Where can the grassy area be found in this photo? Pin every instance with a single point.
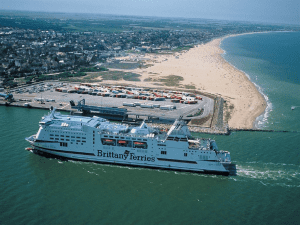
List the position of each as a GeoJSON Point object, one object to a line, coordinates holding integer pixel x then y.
{"type": "Point", "coordinates": [108, 75]}
{"type": "Point", "coordinates": [171, 80]}
{"type": "Point", "coordinates": [149, 79]}
{"type": "Point", "coordinates": [66, 76]}
{"type": "Point", "coordinates": [189, 86]}
{"type": "Point", "coordinates": [92, 69]}
{"type": "Point", "coordinates": [119, 75]}
{"type": "Point", "coordinates": [146, 66]}
{"type": "Point", "coordinates": [157, 84]}
{"type": "Point", "coordinates": [125, 66]}
{"type": "Point", "coordinates": [182, 48]}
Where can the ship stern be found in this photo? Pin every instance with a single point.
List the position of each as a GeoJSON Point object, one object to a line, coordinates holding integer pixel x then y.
{"type": "Point", "coordinates": [225, 159]}
{"type": "Point", "coordinates": [231, 168]}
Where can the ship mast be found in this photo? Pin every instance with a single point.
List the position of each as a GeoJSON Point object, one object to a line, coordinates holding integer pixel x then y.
{"type": "Point", "coordinates": [179, 129]}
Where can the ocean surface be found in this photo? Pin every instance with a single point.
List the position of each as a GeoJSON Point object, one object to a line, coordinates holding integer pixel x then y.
{"type": "Point", "coordinates": [266, 190]}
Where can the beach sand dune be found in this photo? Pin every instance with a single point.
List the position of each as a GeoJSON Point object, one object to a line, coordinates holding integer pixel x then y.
{"type": "Point", "coordinates": [204, 67]}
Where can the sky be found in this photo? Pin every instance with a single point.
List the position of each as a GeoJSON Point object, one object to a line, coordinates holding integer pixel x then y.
{"type": "Point", "coordinates": [269, 11]}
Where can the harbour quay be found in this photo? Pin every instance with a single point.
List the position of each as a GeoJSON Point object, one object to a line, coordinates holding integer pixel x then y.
{"type": "Point", "coordinates": [202, 112]}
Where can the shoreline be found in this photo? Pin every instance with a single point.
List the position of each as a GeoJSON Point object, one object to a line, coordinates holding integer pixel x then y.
{"type": "Point", "coordinates": [263, 104]}
{"type": "Point", "coordinates": [247, 109]}
{"type": "Point", "coordinates": [268, 105]}
{"type": "Point", "coordinates": [205, 68]}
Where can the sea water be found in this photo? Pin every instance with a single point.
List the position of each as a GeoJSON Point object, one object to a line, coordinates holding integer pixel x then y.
{"type": "Point", "coordinates": [272, 62]}
{"type": "Point", "coordinates": [266, 190]}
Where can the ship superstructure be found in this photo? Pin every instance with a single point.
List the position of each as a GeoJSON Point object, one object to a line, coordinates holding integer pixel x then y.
{"type": "Point", "coordinates": [98, 140]}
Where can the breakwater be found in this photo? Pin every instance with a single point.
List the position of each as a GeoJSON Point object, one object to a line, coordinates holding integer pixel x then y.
{"type": "Point", "coordinates": [262, 130]}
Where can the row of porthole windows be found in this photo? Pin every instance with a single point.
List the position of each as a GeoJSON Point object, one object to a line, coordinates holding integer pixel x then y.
{"type": "Point", "coordinates": [67, 136]}
{"type": "Point", "coordinates": [69, 133]}
{"type": "Point", "coordinates": [73, 140]}
{"type": "Point", "coordinates": [62, 137]}
{"type": "Point", "coordinates": [128, 138]}
{"type": "Point", "coordinates": [63, 132]}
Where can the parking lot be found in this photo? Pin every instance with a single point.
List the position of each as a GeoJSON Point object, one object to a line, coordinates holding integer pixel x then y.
{"type": "Point", "coordinates": [46, 94]}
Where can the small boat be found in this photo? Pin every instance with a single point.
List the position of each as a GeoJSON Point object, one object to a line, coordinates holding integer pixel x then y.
{"type": "Point", "coordinates": [29, 149]}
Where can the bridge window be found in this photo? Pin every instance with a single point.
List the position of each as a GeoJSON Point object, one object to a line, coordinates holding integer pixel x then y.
{"type": "Point", "coordinates": [163, 152]}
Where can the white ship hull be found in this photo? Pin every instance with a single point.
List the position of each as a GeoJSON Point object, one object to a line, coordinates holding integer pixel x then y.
{"type": "Point", "coordinates": [61, 136]}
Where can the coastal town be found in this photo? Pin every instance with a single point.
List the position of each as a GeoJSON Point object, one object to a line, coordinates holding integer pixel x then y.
{"type": "Point", "coordinates": [31, 53]}
{"type": "Point", "coordinates": [28, 53]}
{"type": "Point", "coordinates": [140, 60]}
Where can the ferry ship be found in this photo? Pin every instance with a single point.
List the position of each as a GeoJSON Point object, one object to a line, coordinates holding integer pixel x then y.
{"type": "Point", "coordinates": [97, 140]}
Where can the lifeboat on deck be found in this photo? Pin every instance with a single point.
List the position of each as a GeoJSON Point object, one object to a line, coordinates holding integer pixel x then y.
{"type": "Point", "coordinates": [109, 142]}
{"type": "Point", "coordinates": [140, 144]}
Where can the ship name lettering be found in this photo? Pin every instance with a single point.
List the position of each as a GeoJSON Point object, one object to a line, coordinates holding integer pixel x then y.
{"type": "Point", "coordinates": [125, 156]}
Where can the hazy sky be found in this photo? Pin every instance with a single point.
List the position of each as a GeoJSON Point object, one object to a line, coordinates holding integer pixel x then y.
{"type": "Point", "coordinates": [274, 11]}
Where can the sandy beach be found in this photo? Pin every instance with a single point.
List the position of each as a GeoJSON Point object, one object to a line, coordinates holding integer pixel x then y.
{"type": "Point", "coordinates": [204, 67]}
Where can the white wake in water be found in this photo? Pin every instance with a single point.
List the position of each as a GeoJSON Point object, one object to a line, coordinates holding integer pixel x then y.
{"type": "Point", "coordinates": [270, 174]}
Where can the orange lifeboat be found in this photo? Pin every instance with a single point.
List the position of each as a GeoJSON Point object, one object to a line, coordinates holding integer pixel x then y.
{"type": "Point", "coordinates": [140, 144]}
